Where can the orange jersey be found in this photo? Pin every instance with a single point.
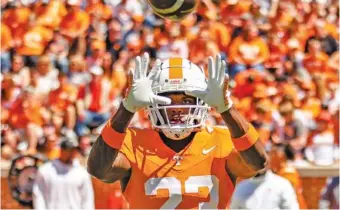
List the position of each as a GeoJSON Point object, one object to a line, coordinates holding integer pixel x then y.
{"type": "Point", "coordinates": [316, 64]}
{"type": "Point", "coordinates": [34, 41]}
{"type": "Point", "coordinates": [61, 98]}
{"type": "Point", "coordinates": [248, 52]}
{"type": "Point", "coordinates": [193, 178]}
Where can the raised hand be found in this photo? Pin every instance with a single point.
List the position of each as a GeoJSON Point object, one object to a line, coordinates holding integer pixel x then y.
{"type": "Point", "coordinates": [140, 94]}
{"type": "Point", "coordinates": [216, 94]}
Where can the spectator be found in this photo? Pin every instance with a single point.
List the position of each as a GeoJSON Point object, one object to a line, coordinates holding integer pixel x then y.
{"type": "Point", "coordinates": [114, 38]}
{"type": "Point", "coordinates": [264, 191]}
{"type": "Point", "coordinates": [61, 102]}
{"type": "Point", "coordinates": [262, 120]}
{"type": "Point", "coordinates": [27, 117]}
{"type": "Point", "coordinates": [328, 43]}
{"type": "Point", "coordinates": [33, 42]}
{"type": "Point", "coordinates": [315, 61]}
{"type": "Point", "coordinates": [63, 183]}
{"type": "Point", "coordinates": [97, 52]}
{"type": "Point", "coordinates": [321, 148]}
{"type": "Point", "coordinates": [16, 17]}
{"type": "Point", "coordinates": [293, 129]}
{"type": "Point", "coordinates": [310, 105]}
{"type": "Point", "coordinates": [50, 13]}
{"type": "Point", "coordinates": [78, 74]}
{"type": "Point", "coordinates": [50, 145]}
{"type": "Point", "coordinates": [99, 7]}
{"type": "Point", "coordinates": [19, 72]}
{"type": "Point", "coordinates": [76, 22]}
{"type": "Point", "coordinates": [96, 102]}
{"type": "Point", "coordinates": [219, 33]}
{"type": "Point", "coordinates": [201, 46]}
{"type": "Point", "coordinates": [277, 53]}
{"type": "Point", "coordinates": [47, 75]}
{"type": "Point", "coordinates": [247, 51]}
{"type": "Point", "coordinates": [58, 50]}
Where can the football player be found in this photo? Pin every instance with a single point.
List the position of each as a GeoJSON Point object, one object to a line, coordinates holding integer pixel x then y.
{"type": "Point", "coordinates": [180, 163]}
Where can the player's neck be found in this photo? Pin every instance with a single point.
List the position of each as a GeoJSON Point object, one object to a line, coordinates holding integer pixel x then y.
{"type": "Point", "coordinates": [177, 145]}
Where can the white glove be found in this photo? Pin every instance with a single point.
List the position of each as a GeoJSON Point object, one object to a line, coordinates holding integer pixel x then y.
{"type": "Point", "coordinates": [140, 94]}
{"type": "Point", "coordinates": [216, 95]}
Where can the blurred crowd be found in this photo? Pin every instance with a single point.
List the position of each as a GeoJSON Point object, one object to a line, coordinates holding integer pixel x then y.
{"type": "Point", "coordinates": [64, 67]}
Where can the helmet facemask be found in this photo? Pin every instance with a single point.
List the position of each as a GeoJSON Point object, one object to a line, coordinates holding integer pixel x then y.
{"type": "Point", "coordinates": [193, 120]}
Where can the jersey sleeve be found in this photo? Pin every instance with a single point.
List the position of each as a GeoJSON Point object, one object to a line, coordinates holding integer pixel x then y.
{"type": "Point", "coordinates": [127, 148]}
{"type": "Point", "coordinates": [234, 160]}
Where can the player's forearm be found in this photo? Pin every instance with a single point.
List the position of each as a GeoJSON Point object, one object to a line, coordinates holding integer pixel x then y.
{"type": "Point", "coordinates": [101, 160]}
{"type": "Point", "coordinates": [121, 120]}
{"type": "Point", "coordinates": [104, 161]}
{"type": "Point", "coordinates": [255, 155]}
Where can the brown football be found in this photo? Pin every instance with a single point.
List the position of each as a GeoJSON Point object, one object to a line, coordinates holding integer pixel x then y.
{"type": "Point", "coordinates": [173, 9]}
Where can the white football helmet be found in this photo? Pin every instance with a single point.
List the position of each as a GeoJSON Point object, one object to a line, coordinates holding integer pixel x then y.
{"type": "Point", "coordinates": [176, 75]}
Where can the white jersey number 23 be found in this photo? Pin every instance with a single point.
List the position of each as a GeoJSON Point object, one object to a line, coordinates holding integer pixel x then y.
{"type": "Point", "coordinates": [191, 185]}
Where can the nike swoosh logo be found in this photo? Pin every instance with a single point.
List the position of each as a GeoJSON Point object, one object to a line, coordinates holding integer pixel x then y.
{"type": "Point", "coordinates": [206, 151]}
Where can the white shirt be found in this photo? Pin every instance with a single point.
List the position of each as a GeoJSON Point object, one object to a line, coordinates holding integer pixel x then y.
{"type": "Point", "coordinates": [268, 192]}
{"type": "Point", "coordinates": [48, 82]}
{"type": "Point", "coordinates": [323, 151]}
{"type": "Point", "coordinates": [61, 186]}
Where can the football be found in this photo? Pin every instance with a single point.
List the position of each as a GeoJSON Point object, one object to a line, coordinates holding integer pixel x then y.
{"type": "Point", "coordinates": [173, 9]}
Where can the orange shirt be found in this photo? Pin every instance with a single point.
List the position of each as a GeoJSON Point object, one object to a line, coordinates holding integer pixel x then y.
{"type": "Point", "coordinates": [99, 8]}
{"type": "Point", "coordinates": [244, 52]}
{"type": "Point", "coordinates": [332, 30]}
{"type": "Point", "coordinates": [197, 178]}
{"type": "Point", "coordinates": [96, 95]}
{"type": "Point", "coordinates": [50, 15]}
{"type": "Point", "coordinates": [24, 112]}
{"type": "Point", "coordinates": [75, 22]}
{"type": "Point", "coordinates": [35, 40]}
{"type": "Point", "coordinates": [61, 98]}
{"type": "Point", "coordinates": [316, 64]}
{"type": "Point", "coordinates": [52, 154]}
{"type": "Point", "coordinates": [16, 19]}
{"type": "Point", "coordinates": [284, 18]}
{"type": "Point", "coordinates": [237, 10]}
{"type": "Point", "coordinates": [312, 106]}
{"type": "Point", "coordinates": [197, 47]}
{"type": "Point", "coordinates": [276, 55]}
{"type": "Point", "coordinates": [6, 37]}
{"type": "Point", "coordinates": [221, 35]}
